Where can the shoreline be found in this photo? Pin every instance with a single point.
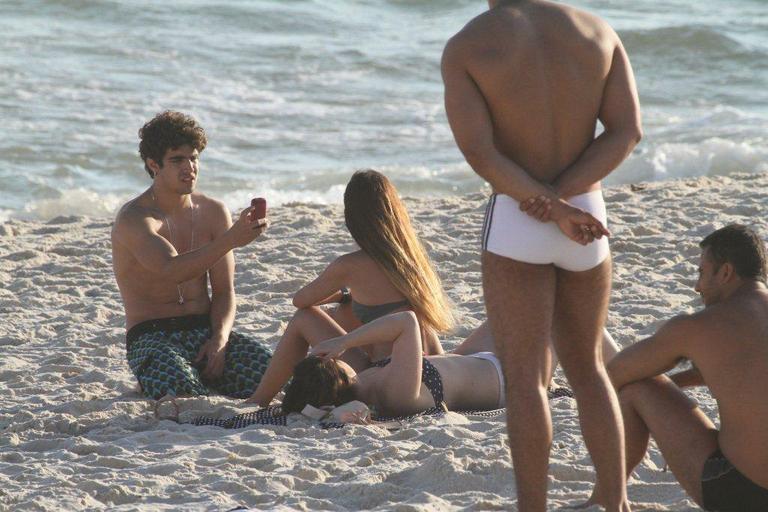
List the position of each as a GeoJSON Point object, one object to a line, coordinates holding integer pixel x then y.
{"type": "Point", "coordinates": [76, 435]}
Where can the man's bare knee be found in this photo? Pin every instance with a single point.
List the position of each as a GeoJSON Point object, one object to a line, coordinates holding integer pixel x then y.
{"type": "Point", "coordinates": [581, 369]}
{"type": "Point", "coordinates": [634, 393]}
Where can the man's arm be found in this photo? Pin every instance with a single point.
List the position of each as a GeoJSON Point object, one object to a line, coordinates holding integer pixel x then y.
{"type": "Point", "coordinates": [135, 231]}
{"type": "Point", "coordinates": [655, 355]}
{"type": "Point", "coordinates": [223, 305]}
{"type": "Point", "coordinates": [620, 115]}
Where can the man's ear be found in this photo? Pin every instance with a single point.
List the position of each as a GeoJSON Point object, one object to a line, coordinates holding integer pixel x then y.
{"type": "Point", "coordinates": [153, 167]}
{"type": "Point", "coordinates": [726, 272]}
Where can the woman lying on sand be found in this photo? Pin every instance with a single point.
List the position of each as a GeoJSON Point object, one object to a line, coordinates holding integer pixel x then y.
{"type": "Point", "coordinates": [403, 384]}
{"type": "Point", "coordinates": [391, 272]}
{"type": "Point", "coordinates": [469, 378]}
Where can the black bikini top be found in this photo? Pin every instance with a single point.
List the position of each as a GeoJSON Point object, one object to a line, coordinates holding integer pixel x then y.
{"type": "Point", "coordinates": [429, 376]}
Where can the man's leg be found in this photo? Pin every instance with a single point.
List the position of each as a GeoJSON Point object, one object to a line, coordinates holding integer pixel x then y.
{"type": "Point", "coordinates": [160, 366]}
{"type": "Point", "coordinates": [684, 434]}
{"type": "Point", "coordinates": [519, 298]}
{"type": "Point", "coordinates": [581, 307]}
{"type": "Point", "coordinates": [246, 362]}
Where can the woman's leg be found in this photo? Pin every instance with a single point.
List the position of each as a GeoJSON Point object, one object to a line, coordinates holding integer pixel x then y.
{"type": "Point", "coordinates": [343, 315]}
{"type": "Point", "coordinates": [481, 340]}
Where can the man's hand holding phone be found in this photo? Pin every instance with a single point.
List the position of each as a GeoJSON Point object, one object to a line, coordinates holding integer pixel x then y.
{"type": "Point", "coordinates": [258, 209]}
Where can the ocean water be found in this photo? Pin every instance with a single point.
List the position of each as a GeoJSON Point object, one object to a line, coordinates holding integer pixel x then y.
{"type": "Point", "coordinates": [296, 95]}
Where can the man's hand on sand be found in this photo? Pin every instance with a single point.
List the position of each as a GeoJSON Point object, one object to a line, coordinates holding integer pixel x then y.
{"type": "Point", "coordinates": [246, 230]}
{"type": "Point", "coordinates": [575, 223]}
{"type": "Point", "coordinates": [212, 355]}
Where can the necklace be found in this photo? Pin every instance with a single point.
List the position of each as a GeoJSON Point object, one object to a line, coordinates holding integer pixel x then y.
{"type": "Point", "coordinates": [167, 220]}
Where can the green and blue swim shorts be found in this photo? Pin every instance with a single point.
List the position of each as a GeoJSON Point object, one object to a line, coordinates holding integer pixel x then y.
{"type": "Point", "coordinates": [161, 355]}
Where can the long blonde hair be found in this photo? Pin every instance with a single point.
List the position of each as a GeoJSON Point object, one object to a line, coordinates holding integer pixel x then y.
{"type": "Point", "coordinates": [378, 221]}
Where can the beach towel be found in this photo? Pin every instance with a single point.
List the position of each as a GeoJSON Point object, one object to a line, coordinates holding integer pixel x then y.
{"type": "Point", "coordinates": [273, 416]}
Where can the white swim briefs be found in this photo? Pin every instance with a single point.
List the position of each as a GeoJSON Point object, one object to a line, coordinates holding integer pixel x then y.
{"type": "Point", "coordinates": [512, 233]}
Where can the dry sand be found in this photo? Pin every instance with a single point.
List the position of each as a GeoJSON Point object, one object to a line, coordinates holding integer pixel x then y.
{"type": "Point", "coordinates": [76, 435]}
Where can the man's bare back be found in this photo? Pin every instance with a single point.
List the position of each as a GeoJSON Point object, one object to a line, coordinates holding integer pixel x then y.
{"type": "Point", "coordinates": [729, 347]}
{"type": "Point", "coordinates": [546, 72]}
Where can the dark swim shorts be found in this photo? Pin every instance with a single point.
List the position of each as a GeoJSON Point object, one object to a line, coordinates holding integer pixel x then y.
{"type": "Point", "coordinates": [161, 354]}
{"type": "Point", "coordinates": [725, 489]}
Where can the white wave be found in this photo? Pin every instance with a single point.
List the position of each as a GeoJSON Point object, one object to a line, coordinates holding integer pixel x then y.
{"type": "Point", "coordinates": [5, 215]}
{"type": "Point", "coordinates": [710, 157]}
{"type": "Point", "coordinates": [72, 202]}
{"type": "Point", "coordinates": [240, 199]}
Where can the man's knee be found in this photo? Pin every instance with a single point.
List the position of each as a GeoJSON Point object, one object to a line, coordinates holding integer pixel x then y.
{"type": "Point", "coordinates": [635, 391]}
{"type": "Point", "coordinates": [581, 368]}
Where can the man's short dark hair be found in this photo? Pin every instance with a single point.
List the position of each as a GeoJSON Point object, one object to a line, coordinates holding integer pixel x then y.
{"type": "Point", "coordinates": [741, 247]}
{"type": "Point", "coordinates": [169, 130]}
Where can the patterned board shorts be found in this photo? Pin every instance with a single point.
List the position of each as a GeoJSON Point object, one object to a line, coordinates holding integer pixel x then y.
{"type": "Point", "coordinates": [161, 355]}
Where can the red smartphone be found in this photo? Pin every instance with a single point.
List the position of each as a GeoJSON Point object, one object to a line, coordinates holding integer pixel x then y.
{"type": "Point", "coordinates": [259, 205]}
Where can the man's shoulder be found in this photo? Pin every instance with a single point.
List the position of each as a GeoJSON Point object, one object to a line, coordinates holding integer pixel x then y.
{"type": "Point", "coordinates": [132, 212]}
{"type": "Point", "coordinates": [473, 33]}
{"type": "Point", "coordinates": [209, 204]}
{"type": "Point", "coordinates": [724, 320]}
{"type": "Point", "coordinates": [498, 30]}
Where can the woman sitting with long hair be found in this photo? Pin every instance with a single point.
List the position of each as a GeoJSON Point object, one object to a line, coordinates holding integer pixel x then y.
{"type": "Point", "coordinates": [405, 383]}
{"type": "Point", "coordinates": [391, 272]}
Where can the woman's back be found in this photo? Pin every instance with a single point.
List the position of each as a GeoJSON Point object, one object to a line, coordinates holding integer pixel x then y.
{"type": "Point", "coordinates": [367, 282]}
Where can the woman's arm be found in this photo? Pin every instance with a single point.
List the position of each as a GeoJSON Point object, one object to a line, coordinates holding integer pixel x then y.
{"type": "Point", "coordinates": [325, 288]}
{"type": "Point", "coordinates": [402, 376]}
{"type": "Point", "coordinates": [430, 342]}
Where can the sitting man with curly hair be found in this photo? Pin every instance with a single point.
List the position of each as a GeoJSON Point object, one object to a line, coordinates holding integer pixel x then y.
{"type": "Point", "coordinates": [167, 245]}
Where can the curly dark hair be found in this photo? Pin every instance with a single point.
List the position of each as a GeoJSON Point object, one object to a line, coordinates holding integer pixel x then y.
{"type": "Point", "coordinates": [741, 247]}
{"type": "Point", "coordinates": [317, 382]}
{"type": "Point", "coordinates": [169, 130]}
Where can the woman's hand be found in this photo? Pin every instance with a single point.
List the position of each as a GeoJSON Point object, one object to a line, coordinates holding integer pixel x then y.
{"type": "Point", "coordinates": [330, 349]}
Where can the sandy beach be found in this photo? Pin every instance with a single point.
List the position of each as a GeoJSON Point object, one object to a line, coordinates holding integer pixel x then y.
{"type": "Point", "coordinates": [76, 435]}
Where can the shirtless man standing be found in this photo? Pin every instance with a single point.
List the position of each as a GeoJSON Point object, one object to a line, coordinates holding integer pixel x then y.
{"type": "Point", "coordinates": [525, 83]}
{"type": "Point", "coordinates": [167, 243]}
{"type": "Point", "coordinates": [727, 342]}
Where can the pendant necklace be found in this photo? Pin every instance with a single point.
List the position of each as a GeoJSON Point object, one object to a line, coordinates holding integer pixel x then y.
{"type": "Point", "coordinates": [180, 286]}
